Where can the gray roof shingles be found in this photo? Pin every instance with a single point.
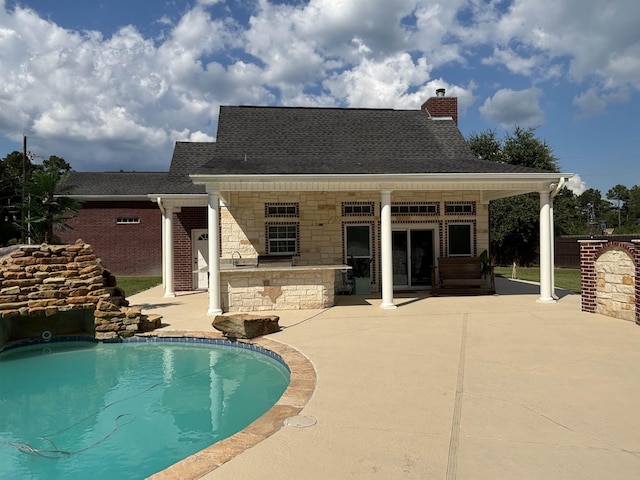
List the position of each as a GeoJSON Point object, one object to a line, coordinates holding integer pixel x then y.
{"type": "Point", "coordinates": [299, 140]}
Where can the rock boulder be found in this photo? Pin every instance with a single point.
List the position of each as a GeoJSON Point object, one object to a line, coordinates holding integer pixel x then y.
{"type": "Point", "coordinates": [244, 325]}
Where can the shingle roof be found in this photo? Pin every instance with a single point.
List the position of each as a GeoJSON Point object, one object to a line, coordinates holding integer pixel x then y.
{"type": "Point", "coordinates": [298, 141]}
{"type": "Point", "coordinates": [286, 140]}
{"type": "Point", "coordinates": [114, 183]}
{"type": "Point", "coordinates": [187, 156]}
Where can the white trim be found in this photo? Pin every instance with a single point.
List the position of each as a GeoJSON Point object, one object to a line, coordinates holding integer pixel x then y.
{"type": "Point", "coordinates": [492, 186]}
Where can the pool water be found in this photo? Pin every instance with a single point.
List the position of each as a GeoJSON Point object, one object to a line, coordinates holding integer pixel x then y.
{"type": "Point", "coordinates": [125, 410]}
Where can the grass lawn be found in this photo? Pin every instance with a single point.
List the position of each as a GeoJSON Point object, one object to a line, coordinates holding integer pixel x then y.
{"type": "Point", "coordinates": [133, 285]}
{"type": "Point", "coordinates": [566, 278]}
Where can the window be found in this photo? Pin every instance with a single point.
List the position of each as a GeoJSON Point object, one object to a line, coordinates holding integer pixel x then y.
{"type": "Point", "coordinates": [459, 239]}
{"type": "Point", "coordinates": [127, 220]}
{"type": "Point", "coordinates": [281, 210]}
{"type": "Point", "coordinates": [452, 208]}
{"type": "Point", "coordinates": [282, 238]}
{"type": "Point", "coordinates": [356, 209]}
{"type": "Point", "coordinates": [414, 209]}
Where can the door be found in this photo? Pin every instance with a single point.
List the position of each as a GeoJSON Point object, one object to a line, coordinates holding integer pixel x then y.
{"type": "Point", "coordinates": [413, 256]}
{"type": "Point", "coordinates": [358, 253]}
{"type": "Point", "coordinates": [200, 242]}
{"type": "Point", "coordinates": [422, 257]}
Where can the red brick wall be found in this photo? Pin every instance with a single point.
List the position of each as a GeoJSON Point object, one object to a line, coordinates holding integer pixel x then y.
{"type": "Point", "coordinates": [442, 107]}
{"type": "Point", "coordinates": [187, 219]}
{"type": "Point", "coordinates": [588, 252]}
{"type": "Point", "coordinates": [131, 249]}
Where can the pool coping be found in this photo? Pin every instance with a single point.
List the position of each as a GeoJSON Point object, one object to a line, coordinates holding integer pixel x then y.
{"type": "Point", "coordinates": [296, 396]}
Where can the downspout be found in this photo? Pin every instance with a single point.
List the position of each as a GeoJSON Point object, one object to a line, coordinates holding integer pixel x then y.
{"type": "Point", "coordinates": [164, 234]}
{"type": "Point", "coordinates": [552, 194]}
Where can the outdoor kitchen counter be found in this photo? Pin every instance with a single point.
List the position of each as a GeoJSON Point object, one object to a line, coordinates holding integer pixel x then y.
{"type": "Point", "coordinates": [278, 268]}
{"type": "Point", "coordinates": [278, 287]}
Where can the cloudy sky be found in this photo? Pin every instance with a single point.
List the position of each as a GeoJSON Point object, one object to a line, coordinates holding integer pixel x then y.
{"type": "Point", "coordinates": [111, 85]}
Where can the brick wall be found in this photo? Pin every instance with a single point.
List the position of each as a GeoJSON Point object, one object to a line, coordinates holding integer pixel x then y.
{"type": "Point", "coordinates": [125, 249]}
{"type": "Point", "coordinates": [610, 273]}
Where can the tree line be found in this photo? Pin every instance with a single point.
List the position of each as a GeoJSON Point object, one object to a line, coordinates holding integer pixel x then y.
{"type": "Point", "coordinates": [514, 221]}
{"type": "Point", "coordinates": [33, 205]}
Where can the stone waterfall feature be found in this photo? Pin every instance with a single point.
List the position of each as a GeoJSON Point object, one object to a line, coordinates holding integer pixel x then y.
{"type": "Point", "coordinates": [48, 291]}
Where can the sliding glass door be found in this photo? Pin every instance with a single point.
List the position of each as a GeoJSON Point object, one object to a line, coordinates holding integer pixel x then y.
{"type": "Point", "coordinates": [412, 257]}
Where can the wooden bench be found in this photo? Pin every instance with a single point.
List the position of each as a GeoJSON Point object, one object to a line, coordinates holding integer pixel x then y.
{"type": "Point", "coordinates": [462, 276]}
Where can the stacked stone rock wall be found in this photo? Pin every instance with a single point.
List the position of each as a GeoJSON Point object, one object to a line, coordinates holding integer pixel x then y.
{"type": "Point", "coordinates": [615, 297]}
{"type": "Point", "coordinates": [610, 274]}
{"type": "Point", "coordinates": [45, 280]}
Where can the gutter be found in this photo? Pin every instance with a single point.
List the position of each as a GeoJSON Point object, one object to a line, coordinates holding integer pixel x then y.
{"type": "Point", "coordinates": [555, 190]}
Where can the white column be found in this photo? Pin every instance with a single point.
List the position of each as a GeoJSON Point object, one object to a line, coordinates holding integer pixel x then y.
{"type": "Point", "coordinates": [214, 253]}
{"type": "Point", "coordinates": [545, 248]}
{"type": "Point", "coordinates": [385, 251]}
{"type": "Point", "coordinates": [552, 254]}
{"type": "Point", "coordinates": [168, 252]}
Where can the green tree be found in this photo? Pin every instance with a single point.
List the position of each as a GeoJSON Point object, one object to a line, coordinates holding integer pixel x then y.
{"type": "Point", "coordinates": [46, 208]}
{"type": "Point", "coordinates": [619, 194]}
{"type": "Point", "coordinates": [486, 146]}
{"type": "Point", "coordinates": [593, 210]}
{"type": "Point", "coordinates": [514, 221]}
{"type": "Point", "coordinates": [523, 148]}
{"type": "Point", "coordinates": [12, 169]}
{"type": "Point", "coordinates": [633, 211]}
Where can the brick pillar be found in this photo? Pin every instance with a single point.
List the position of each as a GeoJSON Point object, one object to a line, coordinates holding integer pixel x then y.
{"type": "Point", "coordinates": [588, 251]}
{"type": "Point", "coordinates": [636, 258]}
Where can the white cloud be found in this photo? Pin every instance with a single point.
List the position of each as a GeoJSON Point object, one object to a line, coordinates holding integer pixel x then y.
{"type": "Point", "coordinates": [511, 108]}
{"type": "Point", "coordinates": [592, 102]}
{"type": "Point", "coordinates": [576, 185]}
{"type": "Point", "coordinates": [133, 94]}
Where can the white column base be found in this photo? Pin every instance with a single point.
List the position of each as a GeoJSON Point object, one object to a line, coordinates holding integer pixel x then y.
{"type": "Point", "coordinates": [388, 306]}
{"type": "Point", "coordinates": [546, 300]}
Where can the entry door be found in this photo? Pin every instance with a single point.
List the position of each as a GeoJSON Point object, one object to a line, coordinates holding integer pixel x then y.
{"type": "Point", "coordinates": [200, 242]}
{"type": "Point", "coordinates": [412, 257]}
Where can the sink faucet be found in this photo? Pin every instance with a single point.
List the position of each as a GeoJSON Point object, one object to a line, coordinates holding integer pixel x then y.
{"type": "Point", "coordinates": [233, 259]}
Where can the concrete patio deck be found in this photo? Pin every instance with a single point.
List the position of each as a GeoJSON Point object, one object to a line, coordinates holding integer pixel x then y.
{"type": "Point", "coordinates": [486, 387]}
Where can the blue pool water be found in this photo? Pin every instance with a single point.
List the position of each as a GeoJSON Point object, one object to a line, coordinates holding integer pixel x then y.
{"type": "Point", "coordinates": [125, 410]}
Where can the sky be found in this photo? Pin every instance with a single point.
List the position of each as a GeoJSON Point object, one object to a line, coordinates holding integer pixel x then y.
{"type": "Point", "coordinates": [112, 85]}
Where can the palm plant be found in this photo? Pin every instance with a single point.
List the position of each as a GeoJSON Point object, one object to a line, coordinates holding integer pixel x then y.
{"type": "Point", "coordinates": [46, 208]}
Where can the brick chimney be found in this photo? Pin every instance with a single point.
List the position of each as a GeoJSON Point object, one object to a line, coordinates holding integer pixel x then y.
{"type": "Point", "coordinates": [441, 106]}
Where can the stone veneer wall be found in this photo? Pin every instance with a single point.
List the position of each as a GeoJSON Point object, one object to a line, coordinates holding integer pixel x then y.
{"type": "Point", "coordinates": [58, 289]}
{"type": "Point", "coordinates": [610, 274]}
{"type": "Point", "coordinates": [277, 290]}
{"type": "Point", "coordinates": [322, 223]}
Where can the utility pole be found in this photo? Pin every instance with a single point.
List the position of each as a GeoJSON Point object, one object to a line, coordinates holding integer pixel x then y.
{"type": "Point", "coordinates": [24, 181]}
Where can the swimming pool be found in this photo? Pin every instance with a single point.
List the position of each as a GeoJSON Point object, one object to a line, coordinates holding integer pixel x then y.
{"type": "Point", "coordinates": [127, 410]}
